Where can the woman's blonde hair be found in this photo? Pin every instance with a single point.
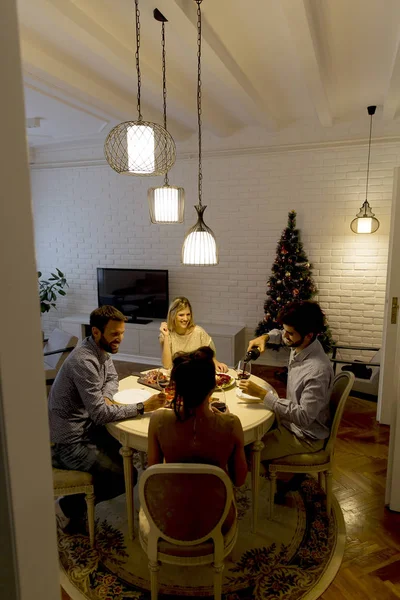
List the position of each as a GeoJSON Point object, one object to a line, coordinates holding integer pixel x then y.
{"type": "Point", "coordinates": [176, 306]}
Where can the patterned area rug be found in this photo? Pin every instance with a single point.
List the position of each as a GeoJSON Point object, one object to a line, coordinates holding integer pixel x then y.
{"type": "Point", "coordinates": [293, 557]}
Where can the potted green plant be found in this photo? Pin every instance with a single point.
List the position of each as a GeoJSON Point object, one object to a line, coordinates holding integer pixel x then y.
{"type": "Point", "coordinates": [49, 288]}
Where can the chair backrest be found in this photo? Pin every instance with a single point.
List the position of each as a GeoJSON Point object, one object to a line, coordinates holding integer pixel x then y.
{"type": "Point", "coordinates": [58, 339]}
{"type": "Point", "coordinates": [185, 504]}
{"type": "Point", "coordinates": [342, 385]}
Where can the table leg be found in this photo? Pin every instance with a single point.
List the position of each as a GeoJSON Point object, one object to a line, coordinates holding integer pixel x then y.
{"type": "Point", "coordinates": [256, 448]}
{"type": "Point", "coordinates": [127, 454]}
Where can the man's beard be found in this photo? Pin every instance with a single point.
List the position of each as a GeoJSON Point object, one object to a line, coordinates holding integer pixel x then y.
{"type": "Point", "coordinates": [295, 344]}
{"type": "Point", "coordinates": [106, 346]}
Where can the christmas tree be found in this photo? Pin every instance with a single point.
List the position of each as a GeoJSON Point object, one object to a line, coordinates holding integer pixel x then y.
{"type": "Point", "coordinates": [290, 280]}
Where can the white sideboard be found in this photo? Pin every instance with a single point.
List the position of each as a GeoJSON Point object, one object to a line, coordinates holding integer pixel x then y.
{"type": "Point", "coordinates": [140, 343]}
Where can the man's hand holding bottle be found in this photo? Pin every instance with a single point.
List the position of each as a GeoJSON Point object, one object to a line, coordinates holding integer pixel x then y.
{"type": "Point", "coordinates": [259, 343]}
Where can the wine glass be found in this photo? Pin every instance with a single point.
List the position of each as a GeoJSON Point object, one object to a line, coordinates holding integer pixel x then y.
{"type": "Point", "coordinates": [243, 369]}
{"type": "Point", "coordinates": [163, 378]}
{"type": "Point", "coordinates": [220, 402]}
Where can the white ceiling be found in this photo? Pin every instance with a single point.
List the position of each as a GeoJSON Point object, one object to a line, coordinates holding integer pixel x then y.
{"type": "Point", "coordinates": [290, 70]}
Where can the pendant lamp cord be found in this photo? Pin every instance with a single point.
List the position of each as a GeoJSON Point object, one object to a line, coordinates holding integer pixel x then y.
{"type": "Point", "coordinates": [164, 75]}
{"type": "Point", "coordinates": [369, 154]}
{"type": "Point", "coordinates": [139, 81]}
{"type": "Point", "coordinates": [200, 183]}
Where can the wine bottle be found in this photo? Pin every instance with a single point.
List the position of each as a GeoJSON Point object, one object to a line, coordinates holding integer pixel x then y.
{"type": "Point", "coordinates": [252, 354]}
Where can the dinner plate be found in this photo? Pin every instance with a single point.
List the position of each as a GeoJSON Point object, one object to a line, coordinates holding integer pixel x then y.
{"type": "Point", "coordinates": [227, 384]}
{"type": "Point", "coordinates": [243, 396]}
{"type": "Point", "coordinates": [132, 396]}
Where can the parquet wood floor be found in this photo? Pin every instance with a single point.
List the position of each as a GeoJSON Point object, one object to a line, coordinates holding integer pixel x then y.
{"type": "Point", "coordinates": [371, 566]}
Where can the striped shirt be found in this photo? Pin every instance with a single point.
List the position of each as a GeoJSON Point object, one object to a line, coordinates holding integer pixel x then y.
{"type": "Point", "coordinates": [305, 411]}
{"type": "Point", "coordinates": [76, 399]}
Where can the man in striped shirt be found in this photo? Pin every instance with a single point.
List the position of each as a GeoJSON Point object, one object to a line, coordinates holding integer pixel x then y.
{"type": "Point", "coordinates": [80, 405]}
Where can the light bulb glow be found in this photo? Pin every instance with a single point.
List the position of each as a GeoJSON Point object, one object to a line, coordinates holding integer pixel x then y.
{"type": "Point", "coordinates": [364, 225]}
{"type": "Point", "coordinates": [200, 249]}
{"type": "Point", "coordinates": [140, 147]}
{"type": "Point", "coordinates": [166, 204]}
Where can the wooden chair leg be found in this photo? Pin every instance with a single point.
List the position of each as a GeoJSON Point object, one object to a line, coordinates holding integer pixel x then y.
{"type": "Point", "coordinates": [328, 479]}
{"type": "Point", "coordinates": [90, 514]}
{"type": "Point", "coordinates": [321, 480]}
{"type": "Point", "coordinates": [218, 569]}
{"type": "Point", "coordinates": [272, 491]}
{"type": "Point", "coordinates": [154, 567]}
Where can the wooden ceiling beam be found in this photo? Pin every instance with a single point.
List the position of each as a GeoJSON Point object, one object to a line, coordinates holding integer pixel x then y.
{"type": "Point", "coordinates": [391, 102]}
{"type": "Point", "coordinates": [300, 20]}
{"type": "Point", "coordinates": [66, 76]}
{"type": "Point", "coordinates": [80, 20]}
{"type": "Point", "coordinates": [179, 13]}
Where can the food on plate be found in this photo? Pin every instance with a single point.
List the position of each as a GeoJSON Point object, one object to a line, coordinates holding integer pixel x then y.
{"type": "Point", "coordinates": [222, 380]}
{"type": "Point", "coordinates": [149, 378]}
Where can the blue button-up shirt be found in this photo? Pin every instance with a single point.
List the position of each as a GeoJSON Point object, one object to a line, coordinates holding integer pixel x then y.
{"type": "Point", "coordinates": [305, 411]}
{"type": "Point", "coordinates": [76, 400]}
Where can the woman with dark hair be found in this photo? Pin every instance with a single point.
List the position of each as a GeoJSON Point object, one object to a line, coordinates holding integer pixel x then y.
{"type": "Point", "coordinates": [179, 333]}
{"type": "Point", "coordinates": [193, 432]}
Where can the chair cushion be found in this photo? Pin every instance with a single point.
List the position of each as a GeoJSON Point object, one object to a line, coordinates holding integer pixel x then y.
{"type": "Point", "coordinates": [308, 460]}
{"type": "Point", "coordinates": [203, 549]}
{"type": "Point", "coordinates": [63, 478]}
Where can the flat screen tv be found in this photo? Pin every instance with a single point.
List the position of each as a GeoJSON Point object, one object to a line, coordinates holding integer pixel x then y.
{"type": "Point", "coordinates": [140, 294]}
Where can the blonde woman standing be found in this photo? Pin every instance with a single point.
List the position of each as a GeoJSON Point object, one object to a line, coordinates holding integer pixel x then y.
{"type": "Point", "coordinates": [180, 334]}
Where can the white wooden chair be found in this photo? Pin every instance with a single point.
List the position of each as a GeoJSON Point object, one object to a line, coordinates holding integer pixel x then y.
{"type": "Point", "coordinates": [56, 350]}
{"type": "Point", "coordinates": [66, 483]}
{"type": "Point", "coordinates": [316, 462]}
{"type": "Point", "coordinates": [187, 518]}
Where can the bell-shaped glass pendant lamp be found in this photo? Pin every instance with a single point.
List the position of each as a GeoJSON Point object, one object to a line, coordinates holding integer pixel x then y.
{"type": "Point", "coordinates": [139, 147]}
{"type": "Point", "coordinates": [166, 203]}
{"type": "Point", "coordinates": [365, 221]}
{"type": "Point", "coordinates": [200, 248]}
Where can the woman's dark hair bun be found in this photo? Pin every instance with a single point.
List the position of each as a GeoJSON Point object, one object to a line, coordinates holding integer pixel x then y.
{"type": "Point", "coordinates": [194, 376]}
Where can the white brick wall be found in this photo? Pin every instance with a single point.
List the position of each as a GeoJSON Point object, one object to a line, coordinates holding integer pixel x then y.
{"type": "Point", "coordinates": [87, 217]}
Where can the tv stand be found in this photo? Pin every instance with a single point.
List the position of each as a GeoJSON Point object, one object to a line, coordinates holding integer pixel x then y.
{"type": "Point", "coordinates": [141, 340]}
{"type": "Point", "coordinates": [139, 320]}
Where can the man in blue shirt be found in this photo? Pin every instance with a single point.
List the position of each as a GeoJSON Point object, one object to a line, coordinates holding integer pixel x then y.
{"type": "Point", "coordinates": [80, 404]}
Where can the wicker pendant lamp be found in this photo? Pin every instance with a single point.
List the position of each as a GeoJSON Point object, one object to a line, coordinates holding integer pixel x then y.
{"type": "Point", "coordinates": [139, 147]}
{"type": "Point", "coordinates": [365, 221]}
{"type": "Point", "coordinates": [199, 247]}
{"type": "Point", "coordinates": [166, 203]}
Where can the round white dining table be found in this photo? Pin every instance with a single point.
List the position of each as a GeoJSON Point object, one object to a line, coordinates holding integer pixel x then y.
{"type": "Point", "coordinates": [132, 434]}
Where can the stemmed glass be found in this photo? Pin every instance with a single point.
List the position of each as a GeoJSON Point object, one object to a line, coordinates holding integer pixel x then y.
{"type": "Point", "coordinates": [163, 378]}
{"type": "Point", "coordinates": [243, 370]}
{"type": "Point", "coordinates": [220, 402]}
